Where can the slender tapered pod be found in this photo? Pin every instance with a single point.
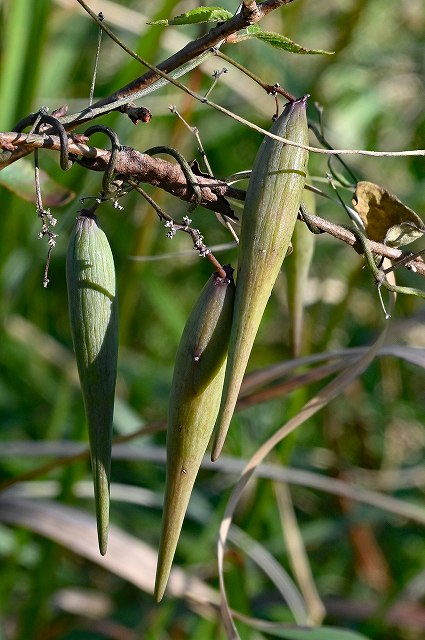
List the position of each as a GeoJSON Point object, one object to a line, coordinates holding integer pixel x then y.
{"type": "Point", "coordinates": [93, 314]}
{"type": "Point", "coordinates": [297, 269]}
{"type": "Point", "coordinates": [272, 201]}
{"type": "Point", "coordinates": [194, 401]}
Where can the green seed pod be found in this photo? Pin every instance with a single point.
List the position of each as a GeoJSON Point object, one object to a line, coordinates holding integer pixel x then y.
{"type": "Point", "coordinates": [297, 268]}
{"type": "Point", "coordinates": [272, 201]}
{"type": "Point", "coordinates": [94, 325]}
{"type": "Point", "coordinates": [194, 401]}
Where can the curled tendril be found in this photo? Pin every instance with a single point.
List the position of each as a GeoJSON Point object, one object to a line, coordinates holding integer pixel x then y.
{"type": "Point", "coordinates": [185, 167]}
{"type": "Point", "coordinates": [41, 117]}
{"type": "Point", "coordinates": [107, 183]}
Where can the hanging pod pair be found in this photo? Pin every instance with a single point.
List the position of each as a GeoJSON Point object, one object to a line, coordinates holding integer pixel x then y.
{"type": "Point", "coordinates": [197, 395]}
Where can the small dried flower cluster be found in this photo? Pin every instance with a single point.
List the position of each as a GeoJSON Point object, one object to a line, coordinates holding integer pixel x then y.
{"type": "Point", "coordinates": [173, 228]}
{"type": "Point", "coordinates": [199, 245]}
{"type": "Point", "coordinates": [48, 221]}
{"type": "Point", "coordinates": [197, 237]}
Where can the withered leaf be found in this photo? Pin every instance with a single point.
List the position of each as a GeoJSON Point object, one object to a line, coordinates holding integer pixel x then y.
{"type": "Point", "coordinates": [385, 217]}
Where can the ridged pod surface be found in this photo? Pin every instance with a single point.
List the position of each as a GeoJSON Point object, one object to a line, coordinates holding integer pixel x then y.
{"type": "Point", "coordinates": [194, 401]}
{"type": "Point", "coordinates": [271, 206]}
{"type": "Point", "coordinates": [93, 314]}
{"type": "Point", "coordinates": [297, 269]}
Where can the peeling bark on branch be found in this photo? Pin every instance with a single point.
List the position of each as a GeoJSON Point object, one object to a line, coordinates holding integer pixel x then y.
{"type": "Point", "coordinates": [168, 176]}
{"type": "Point", "coordinates": [133, 164]}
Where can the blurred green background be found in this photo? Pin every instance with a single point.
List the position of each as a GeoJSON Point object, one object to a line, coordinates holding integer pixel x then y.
{"type": "Point", "coordinates": [368, 563]}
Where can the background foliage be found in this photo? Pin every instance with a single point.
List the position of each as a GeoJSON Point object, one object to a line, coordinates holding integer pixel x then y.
{"type": "Point", "coordinates": [368, 563]}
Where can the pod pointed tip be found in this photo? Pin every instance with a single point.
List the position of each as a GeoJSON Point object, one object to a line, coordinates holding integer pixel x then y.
{"type": "Point", "coordinates": [101, 499]}
{"type": "Point", "coordinates": [167, 547]}
{"type": "Point", "coordinates": [221, 429]}
{"type": "Point", "coordinates": [102, 531]}
{"type": "Point", "coordinates": [102, 536]}
{"type": "Point", "coordinates": [161, 580]}
{"type": "Point", "coordinates": [216, 450]}
{"type": "Point", "coordinates": [158, 595]}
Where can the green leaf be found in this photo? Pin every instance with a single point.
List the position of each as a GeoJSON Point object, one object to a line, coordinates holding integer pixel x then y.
{"type": "Point", "coordinates": [317, 633]}
{"type": "Point", "coordinates": [19, 178]}
{"type": "Point", "coordinates": [195, 16]}
{"type": "Point", "coordinates": [282, 42]}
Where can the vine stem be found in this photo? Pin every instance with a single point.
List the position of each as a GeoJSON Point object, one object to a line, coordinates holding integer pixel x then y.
{"type": "Point", "coordinates": [271, 89]}
{"type": "Point", "coordinates": [196, 51]}
{"type": "Point", "coordinates": [215, 37]}
{"type": "Point", "coordinates": [129, 157]}
{"type": "Point", "coordinates": [205, 45]}
{"type": "Point", "coordinates": [347, 235]}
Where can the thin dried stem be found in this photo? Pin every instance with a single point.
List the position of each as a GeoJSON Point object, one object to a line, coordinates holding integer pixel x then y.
{"type": "Point", "coordinates": [242, 19]}
{"type": "Point", "coordinates": [193, 54]}
{"type": "Point", "coordinates": [173, 227]}
{"type": "Point", "coordinates": [168, 176]}
{"type": "Point", "coordinates": [96, 61]}
{"type": "Point", "coordinates": [342, 233]}
{"type": "Point", "coordinates": [271, 89]}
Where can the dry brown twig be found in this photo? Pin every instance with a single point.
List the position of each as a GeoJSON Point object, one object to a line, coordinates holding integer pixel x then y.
{"type": "Point", "coordinates": [170, 177]}
{"type": "Point", "coordinates": [138, 166]}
